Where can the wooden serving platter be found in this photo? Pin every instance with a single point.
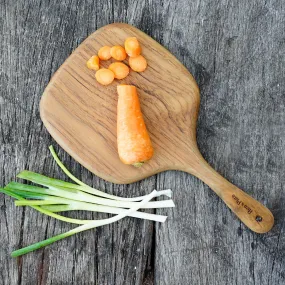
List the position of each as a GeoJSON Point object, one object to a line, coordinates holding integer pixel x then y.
{"type": "Point", "coordinates": [81, 116]}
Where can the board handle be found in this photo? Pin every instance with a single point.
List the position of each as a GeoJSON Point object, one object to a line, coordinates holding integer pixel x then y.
{"type": "Point", "coordinates": [251, 212]}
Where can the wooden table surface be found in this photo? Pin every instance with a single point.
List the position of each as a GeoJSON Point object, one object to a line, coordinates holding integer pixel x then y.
{"type": "Point", "coordinates": [236, 52]}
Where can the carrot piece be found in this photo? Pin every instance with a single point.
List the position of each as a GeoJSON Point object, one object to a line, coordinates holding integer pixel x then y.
{"type": "Point", "coordinates": [134, 145]}
{"type": "Point", "coordinates": [104, 76]}
{"type": "Point", "coordinates": [132, 47]}
{"type": "Point", "coordinates": [104, 53]}
{"type": "Point", "coordinates": [93, 62]}
{"type": "Point", "coordinates": [120, 70]}
{"type": "Point", "coordinates": [138, 63]}
{"type": "Point", "coordinates": [118, 53]}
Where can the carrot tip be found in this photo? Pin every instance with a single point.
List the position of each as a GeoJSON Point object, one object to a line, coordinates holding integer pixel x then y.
{"type": "Point", "coordinates": [138, 164]}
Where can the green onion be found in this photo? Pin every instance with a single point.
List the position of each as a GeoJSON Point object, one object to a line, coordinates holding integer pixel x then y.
{"type": "Point", "coordinates": [80, 206]}
{"type": "Point", "coordinates": [46, 212]}
{"type": "Point", "coordinates": [88, 226]}
{"type": "Point", "coordinates": [78, 195]}
{"type": "Point", "coordinates": [55, 196]}
{"type": "Point", "coordinates": [40, 193]}
{"type": "Point", "coordinates": [103, 209]}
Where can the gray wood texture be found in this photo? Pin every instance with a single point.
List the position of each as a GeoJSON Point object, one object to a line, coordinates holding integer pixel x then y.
{"type": "Point", "coordinates": [235, 50]}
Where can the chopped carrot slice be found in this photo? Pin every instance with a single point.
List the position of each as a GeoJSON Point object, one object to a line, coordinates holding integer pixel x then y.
{"type": "Point", "coordinates": [104, 53]}
{"type": "Point", "coordinates": [134, 145]}
{"type": "Point", "coordinates": [104, 76]}
{"type": "Point", "coordinates": [138, 63]}
{"type": "Point", "coordinates": [132, 47]}
{"type": "Point", "coordinates": [118, 53]}
{"type": "Point", "coordinates": [93, 62]}
{"type": "Point", "coordinates": [120, 70]}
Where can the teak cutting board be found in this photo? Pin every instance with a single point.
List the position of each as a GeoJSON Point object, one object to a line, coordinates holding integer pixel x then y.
{"type": "Point", "coordinates": [81, 116]}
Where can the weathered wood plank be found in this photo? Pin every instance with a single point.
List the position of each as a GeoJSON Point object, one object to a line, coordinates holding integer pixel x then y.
{"type": "Point", "coordinates": [235, 49]}
{"type": "Point", "coordinates": [38, 36]}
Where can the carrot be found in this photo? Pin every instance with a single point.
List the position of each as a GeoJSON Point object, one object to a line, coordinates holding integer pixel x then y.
{"type": "Point", "coordinates": [104, 76]}
{"type": "Point", "coordinates": [134, 145]}
{"type": "Point", "coordinates": [104, 53]}
{"type": "Point", "coordinates": [120, 70]}
{"type": "Point", "coordinates": [138, 63]}
{"type": "Point", "coordinates": [93, 62]}
{"type": "Point", "coordinates": [118, 53]}
{"type": "Point", "coordinates": [132, 47]}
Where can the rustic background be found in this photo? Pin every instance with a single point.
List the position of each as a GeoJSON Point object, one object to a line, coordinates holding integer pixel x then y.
{"type": "Point", "coordinates": [235, 50]}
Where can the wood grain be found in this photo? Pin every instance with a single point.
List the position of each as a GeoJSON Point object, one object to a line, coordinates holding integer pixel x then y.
{"type": "Point", "coordinates": [81, 115]}
{"type": "Point", "coordinates": [235, 50]}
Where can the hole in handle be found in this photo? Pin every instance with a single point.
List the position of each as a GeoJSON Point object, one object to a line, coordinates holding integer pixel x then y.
{"type": "Point", "coordinates": [258, 219]}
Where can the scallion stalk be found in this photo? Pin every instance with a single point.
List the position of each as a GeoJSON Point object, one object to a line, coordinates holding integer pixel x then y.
{"type": "Point", "coordinates": [103, 209]}
{"type": "Point", "coordinates": [75, 205]}
{"type": "Point", "coordinates": [56, 195]}
{"type": "Point", "coordinates": [79, 229]}
{"type": "Point", "coordinates": [46, 212]}
{"type": "Point", "coordinates": [78, 195]}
